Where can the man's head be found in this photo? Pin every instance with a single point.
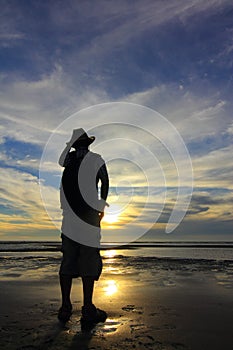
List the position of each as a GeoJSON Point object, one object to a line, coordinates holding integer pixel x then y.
{"type": "Point", "coordinates": [81, 139]}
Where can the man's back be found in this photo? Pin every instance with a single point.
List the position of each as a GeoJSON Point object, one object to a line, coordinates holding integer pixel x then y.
{"type": "Point", "coordinates": [72, 196]}
{"type": "Point", "coordinates": [79, 186]}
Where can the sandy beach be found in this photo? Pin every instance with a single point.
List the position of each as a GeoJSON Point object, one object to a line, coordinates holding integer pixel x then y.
{"type": "Point", "coordinates": [159, 304]}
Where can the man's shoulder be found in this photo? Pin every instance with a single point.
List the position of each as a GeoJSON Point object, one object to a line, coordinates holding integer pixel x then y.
{"type": "Point", "coordinates": [96, 159]}
{"type": "Point", "coordinates": [97, 156]}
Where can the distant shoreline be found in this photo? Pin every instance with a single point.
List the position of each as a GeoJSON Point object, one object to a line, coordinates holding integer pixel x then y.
{"type": "Point", "coordinates": [52, 246]}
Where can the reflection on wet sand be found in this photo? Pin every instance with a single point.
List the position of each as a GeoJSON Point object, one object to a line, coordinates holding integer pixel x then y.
{"type": "Point", "coordinates": [110, 267]}
{"type": "Point", "coordinates": [110, 288]}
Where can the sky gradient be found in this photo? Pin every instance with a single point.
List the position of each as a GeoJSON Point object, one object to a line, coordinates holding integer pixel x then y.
{"type": "Point", "coordinates": [175, 57]}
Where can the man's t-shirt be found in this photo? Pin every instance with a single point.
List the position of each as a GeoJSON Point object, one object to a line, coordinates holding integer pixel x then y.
{"type": "Point", "coordinates": [79, 185]}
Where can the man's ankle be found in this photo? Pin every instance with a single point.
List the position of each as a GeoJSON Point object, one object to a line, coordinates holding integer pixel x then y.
{"type": "Point", "coordinates": [67, 305]}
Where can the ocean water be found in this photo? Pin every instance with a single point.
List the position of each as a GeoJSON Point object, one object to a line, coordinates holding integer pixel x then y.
{"type": "Point", "coordinates": [179, 250]}
{"type": "Point", "coordinates": [36, 260]}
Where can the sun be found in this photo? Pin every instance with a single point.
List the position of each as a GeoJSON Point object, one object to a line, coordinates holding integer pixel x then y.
{"type": "Point", "coordinates": [110, 253]}
{"type": "Point", "coordinates": [112, 215]}
{"type": "Point", "coordinates": [111, 218]}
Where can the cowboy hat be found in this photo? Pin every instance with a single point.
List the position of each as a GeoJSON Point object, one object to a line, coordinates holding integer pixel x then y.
{"type": "Point", "coordinates": [80, 137]}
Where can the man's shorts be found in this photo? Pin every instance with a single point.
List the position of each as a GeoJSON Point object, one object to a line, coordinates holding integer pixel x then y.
{"type": "Point", "coordinates": [79, 260]}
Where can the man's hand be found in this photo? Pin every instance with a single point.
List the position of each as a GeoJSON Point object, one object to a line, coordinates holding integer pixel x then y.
{"type": "Point", "coordinates": [102, 204]}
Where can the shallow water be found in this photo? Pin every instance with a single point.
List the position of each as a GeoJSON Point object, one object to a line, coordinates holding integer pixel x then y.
{"type": "Point", "coordinates": [42, 260]}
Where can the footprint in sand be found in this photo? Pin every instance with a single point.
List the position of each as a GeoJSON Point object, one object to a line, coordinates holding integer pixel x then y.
{"type": "Point", "coordinates": [110, 326]}
{"type": "Point", "coordinates": [137, 327]}
{"type": "Point", "coordinates": [132, 308]}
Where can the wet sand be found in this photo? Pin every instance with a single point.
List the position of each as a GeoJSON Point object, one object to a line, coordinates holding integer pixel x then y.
{"type": "Point", "coordinates": [179, 309]}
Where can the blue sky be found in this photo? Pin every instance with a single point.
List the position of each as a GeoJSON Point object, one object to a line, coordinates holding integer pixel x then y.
{"type": "Point", "coordinates": [175, 57]}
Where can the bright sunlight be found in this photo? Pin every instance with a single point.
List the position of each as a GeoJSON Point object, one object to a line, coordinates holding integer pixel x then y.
{"type": "Point", "coordinates": [112, 214]}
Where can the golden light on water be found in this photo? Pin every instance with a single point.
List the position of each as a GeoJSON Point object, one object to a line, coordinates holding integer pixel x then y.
{"type": "Point", "coordinates": [110, 288]}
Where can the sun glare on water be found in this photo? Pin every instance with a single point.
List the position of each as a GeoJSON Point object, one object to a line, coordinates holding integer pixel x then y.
{"type": "Point", "coordinates": [109, 253]}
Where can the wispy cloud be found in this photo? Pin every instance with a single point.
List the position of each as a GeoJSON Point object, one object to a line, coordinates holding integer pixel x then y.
{"type": "Point", "coordinates": [22, 207]}
{"type": "Point", "coordinates": [214, 169]}
{"type": "Point", "coordinates": [11, 36]}
{"type": "Point", "coordinates": [31, 110]}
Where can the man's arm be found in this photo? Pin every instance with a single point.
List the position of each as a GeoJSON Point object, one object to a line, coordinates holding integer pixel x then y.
{"type": "Point", "coordinates": [103, 177]}
{"type": "Point", "coordinates": [64, 157]}
{"type": "Point", "coordinates": [64, 154]}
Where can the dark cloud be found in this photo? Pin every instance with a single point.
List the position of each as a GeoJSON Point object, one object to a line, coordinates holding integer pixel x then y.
{"type": "Point", "coordinates": [204, 200]}
{"type": "Point", "coordinates": [197, 209]}
{"type": "Point", "coordinates": [209, 200]}
{"type": "Point", "coordinates": [203, 203]}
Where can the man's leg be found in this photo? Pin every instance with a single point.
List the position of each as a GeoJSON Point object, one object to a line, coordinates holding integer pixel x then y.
{"type": "Point", "coordinates": [66, 283]}
{"type": "Point", "coordinates": [91, 264]}
{"type": "Point", "coordinates": [90, 314]}
{"type": "Point", "coordinates": [66, 309]}
{"type": "Point", "coordinates": [88, 288]}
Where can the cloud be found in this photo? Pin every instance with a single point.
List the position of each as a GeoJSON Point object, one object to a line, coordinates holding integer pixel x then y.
{"type": "Point", "coordinates": [114, 24]}
{"type": "Point", "coordinates": [24, 211]}
{"type": "Point", "coordinates": [197, 209]}
{"type": "Point", "coordinates": [196, 115]}
{"type": "Point", "coordinates": [28, 162]}
{"type": "Point", "coordinates": [75, 79]}
{"type": "Point", "coordinates": [112, 38]}
{"type": "Point", "coordinates": [214, 168]}
{"type": "Point", "coordinates": [30, 110]}
{"type": "Point", "coordinates": [93, 42]}
{"type": "Point", "coordinates": [207, 199]}
{"type": "Point", "coordinates": [11, 36]}
{"type": "Point", "coordinates": [209, 204]}
{"type": "Point", "coordinates": [230, 129]}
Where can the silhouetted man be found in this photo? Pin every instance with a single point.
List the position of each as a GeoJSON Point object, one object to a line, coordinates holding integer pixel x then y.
{"type": "Point", "coordinates": [82, 213]}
